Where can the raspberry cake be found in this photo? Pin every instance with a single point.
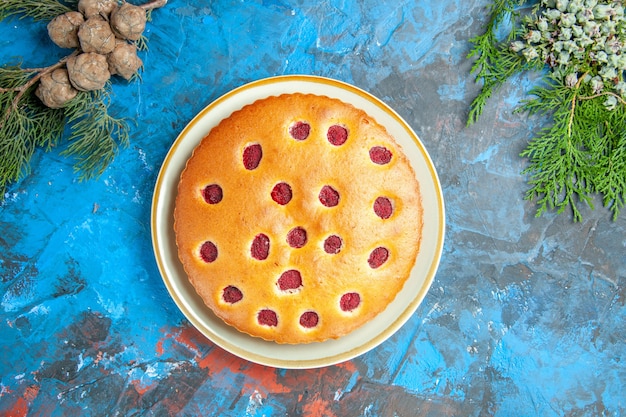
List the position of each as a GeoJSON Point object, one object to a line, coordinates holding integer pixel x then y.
{"type": "Point", "coordinates": [298, 219]}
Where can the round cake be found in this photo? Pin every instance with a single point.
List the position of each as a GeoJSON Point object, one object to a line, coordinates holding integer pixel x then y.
{"type": "Point", "coordinates": [298, 218]}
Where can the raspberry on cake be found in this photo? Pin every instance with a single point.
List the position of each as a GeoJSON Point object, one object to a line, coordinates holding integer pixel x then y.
{"type": "Point", "coordinates": [298, 219]}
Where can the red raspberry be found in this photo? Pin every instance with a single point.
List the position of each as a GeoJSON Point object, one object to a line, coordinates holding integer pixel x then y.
{"type": "Point", "coordinates": [378, 257]}
{"type": "Point", "coordinates": [383, 207]}
{"type": "Point", "coordinates": [281, 193]}
{"type": "Point", "coordinates": [333, 244]}
{"type": "Point", "coordinates": [309, 319]}
{"type": "Point", "coordinates": [212, 194]}
{"type": "Point", "coordinates": [267, 317]}
{"type": "Point", "coordinates": [290, 280]}
{"type": "Point", "coordinates": [380, 155]}
{"type": "Point", "coordinates": [300, 130]}
{"type": "Point", "coordinates": [337, 135]}
{"type": "Point", "coordinates": [231, 294]}
{"type": "Point", "coordinates": [208, 252]}
{"type": "Point", "coordinates": [328, 196]}
{"type": "Point", "coordinates": [252, 155]}
{"type": "Point", "coordinates": [296, 238]}
{"type": "Point", "coordinates": [260, 248]}
{"type": "Point", "coordinates": [349, 301]}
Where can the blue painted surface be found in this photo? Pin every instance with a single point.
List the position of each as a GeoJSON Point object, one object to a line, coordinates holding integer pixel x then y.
{"type": "Point", "coordinates": [526, 315]}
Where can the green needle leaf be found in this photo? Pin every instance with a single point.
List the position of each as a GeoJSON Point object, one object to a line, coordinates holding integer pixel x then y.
{"type": "Point", "coordinates": [579, 49]}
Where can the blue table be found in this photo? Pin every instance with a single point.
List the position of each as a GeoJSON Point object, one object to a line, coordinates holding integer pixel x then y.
{"type": "Point", "coordinates": [526, 316]}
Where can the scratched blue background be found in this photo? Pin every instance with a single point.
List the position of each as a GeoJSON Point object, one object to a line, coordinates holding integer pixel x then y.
{"type": "Point", "coordinates": [526, 315]}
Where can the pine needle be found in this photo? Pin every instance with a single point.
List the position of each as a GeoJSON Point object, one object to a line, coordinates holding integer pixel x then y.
{"type": "Point", "coordinates": [38, 10]}
{"type": "Point", "coordinates": [84, 129]}
{"type": "Point", "coordinates": [582, 150]}
{"type": "Point", "coordinates": [95, 135]}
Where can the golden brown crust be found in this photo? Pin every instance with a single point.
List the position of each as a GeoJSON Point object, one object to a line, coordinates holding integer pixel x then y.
{"type": "Point", "coordinates": [247, 209]}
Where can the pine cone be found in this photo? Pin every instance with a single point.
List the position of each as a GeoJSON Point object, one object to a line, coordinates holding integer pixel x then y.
{"type": "Point", "coordinates": [95, 35]}
{"type": "Point", "coordinates": [128, 21]}
{"type": "Point", "coordinates": [63, 29]}
{"type": "Point", "coordinates": [88, 71]}
{"type": "Point", "coordinates": [96, 7]}
{"type": "Point", "coordinates": [54, 89]}
{"type": "Point", "coordinates": [124, 61]}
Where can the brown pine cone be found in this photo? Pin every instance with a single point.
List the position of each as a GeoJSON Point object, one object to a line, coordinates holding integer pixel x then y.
{"type": "Point", "coordinates": [88, 71]}
{"type": "Point", "coordinates": [54, 89]}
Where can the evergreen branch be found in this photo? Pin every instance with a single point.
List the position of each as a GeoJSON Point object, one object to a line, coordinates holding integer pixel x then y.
{"type": "Point", "coordinates": [95, 135]}
{"type": "Point", "coordinates": [153, 4]}
{"type": "Point", "coordinates": [22, 84]}
{"type": "Point", "coordinates": [12, 77]}
{"type": "Point", "coordinates": [494, 76]}
{"type": "Point", "coordinates": [494, 63]}
{"type": "Point", "coordinates": [579, 48]}
{"type": "Point", "coordinates": [611, 166]}
{"type": "Point", "coordinates": [37, 9]}
{"type": "Point", "coordinates": [603, 94]}
{"type": "Point", "coordinates": [25, 128]}
{"type": "Point", "coordinates": [583, 152]}
{"type": "Point", "coordinates": [26, 123]}
{"type": "Point", "coordinates": [546, 97]}
{"type": "Point", "coordinates": [15, 150]}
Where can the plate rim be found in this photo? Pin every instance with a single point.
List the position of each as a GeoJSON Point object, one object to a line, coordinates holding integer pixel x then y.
{"type": "Point", "coordinates": [343, 356]}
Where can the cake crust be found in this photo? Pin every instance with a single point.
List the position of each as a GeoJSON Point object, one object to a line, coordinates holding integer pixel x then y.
{"type": "Point", "coordinates": [298, 219]}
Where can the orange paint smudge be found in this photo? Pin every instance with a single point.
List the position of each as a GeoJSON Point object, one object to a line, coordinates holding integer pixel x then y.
{"type": "Point", "coordinates": [218, 360]}
{"type": "Point", "coordinates": [180, 335]}
{"type": "Point", "coordinates": [31, 393]}
{"type": "Point", "coordinates": [159, 346]}
{"type": "Point", "coordinates": [317, 407]}
{"type": "Point", "coordinates": [262, 380]}
{"type": "Point", "coordinates": [140, 387]}
{"type": "Point", "coordinates": [19, 409]}
{"type": "Point", "coordinates": [22, 405]}
{"type": "Point", "coordinates": [348, 366]}
{"type": "Point", "coordinates": [186, 337]}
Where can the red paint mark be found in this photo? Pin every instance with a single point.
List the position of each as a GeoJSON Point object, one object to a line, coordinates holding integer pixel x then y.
{"type": "Point", "coordinates": [22, 404]}
{"type": "Point", "coordinates": [260, 380]}
{"type": "Point", "coordinates": [31, 393]}
{"type": "Point", "coordinates": [140, 387]}
{"type": "Point", "coordinates": [159, 347]}
{"type": "Point", "coordinates": [19, 409]}
{"type": "Point", "coordinates": [186, 338]}
{"type": "Point", "coordinates": [265, 380]}
{"type": "Point", "coordinates": [318, 407]}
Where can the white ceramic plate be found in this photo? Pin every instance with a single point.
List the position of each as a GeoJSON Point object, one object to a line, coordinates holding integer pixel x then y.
{"type": "Point", "coordinates": [307, 355]}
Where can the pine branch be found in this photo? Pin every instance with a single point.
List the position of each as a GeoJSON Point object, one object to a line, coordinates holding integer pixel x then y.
{"type": "Point", "coordinates": [578, 48]}
{"type": "Point", "coordinates": [95, 135]}
{"type": "Point", "coordinates": [610, 180]}
{"type": "Point", "coordinates": [38, 10]}
{"type": "Point", "coordinates": [494, 62]}
{"type": "Point", "coordinates": [20, 81]}
{"type": "Point", "coordinates": [26, 127]}
{"type": "Point", "coordinates": [494, 75]}
{"type": "Point", "coordinates": [583, 151]}
{"type": "Point", "coordinates": [557, 168]}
